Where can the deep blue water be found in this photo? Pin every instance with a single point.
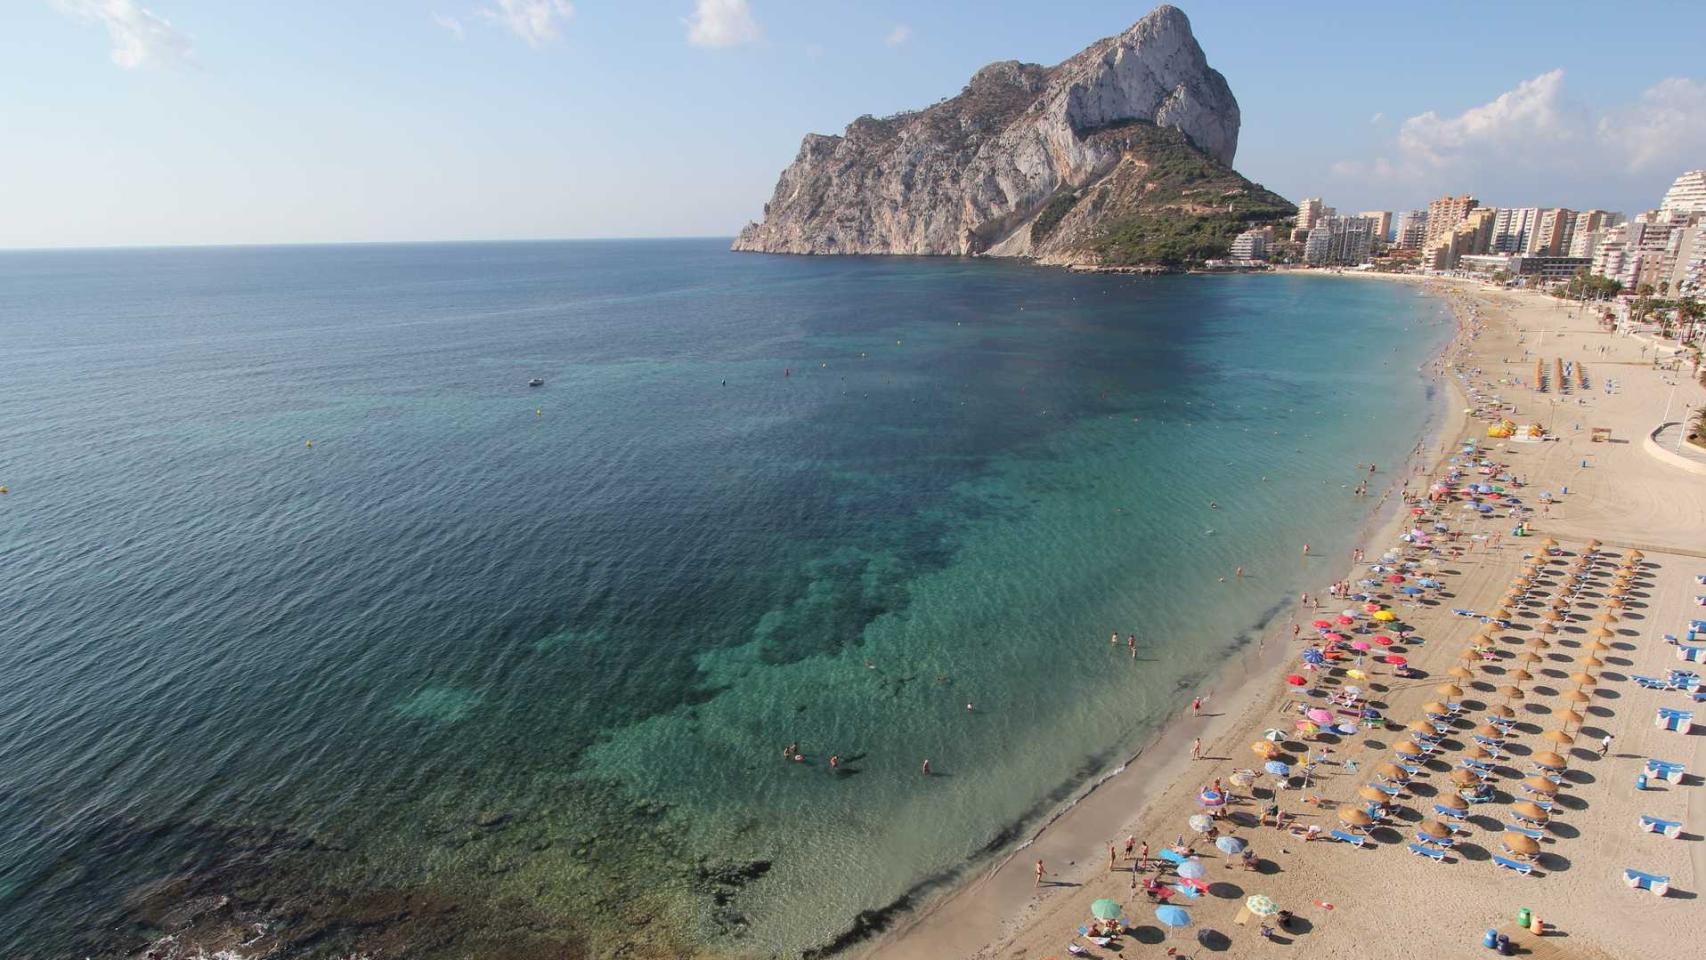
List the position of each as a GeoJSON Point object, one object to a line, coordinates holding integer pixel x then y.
{"type": "Point", "coordinates": [545, 645]}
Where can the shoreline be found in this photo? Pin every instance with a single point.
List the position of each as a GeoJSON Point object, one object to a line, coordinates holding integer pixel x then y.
{"type": "Point", "coordinates": [1102, 806]}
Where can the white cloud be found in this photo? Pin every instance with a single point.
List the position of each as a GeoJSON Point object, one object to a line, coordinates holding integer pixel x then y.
{"type": "Point", "coordinates": [1534, 144]}
{"type": "Point", "coordinates": [450, 24]}
{"type": "Point", "coordinates": [536, 21]}
{"type": "Point", "coordinates": [1664, 129]}
{"type": "Point", "coordinates": [721, 23]}
{"type": "Point", "coordinates": [899, 35]}
{"type": "Point", "coordinates": [139, 36]}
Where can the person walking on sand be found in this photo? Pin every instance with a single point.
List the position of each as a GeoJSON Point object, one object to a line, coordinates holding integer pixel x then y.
{"type": "Point", "coordinates": [1306, 549]}
{"type": "Point", "coordinates": [1605, 745]}
{"type": "Point", "coordinates": [1196, 707]}
{"type": "Point", "coordinates": [1113, 857]}
{"type": "Point", "coordinates": [1040, 873]}
{"type": "Point", "coordinates": [1130, 842]}
{"type": "Point", "coordinates": [1196, 749]}
{"type": "Point", "coordinates": [1143, 854]}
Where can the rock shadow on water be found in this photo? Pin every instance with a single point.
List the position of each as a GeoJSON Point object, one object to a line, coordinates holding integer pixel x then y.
{"type": "Point", "coordinates": [440, 705]}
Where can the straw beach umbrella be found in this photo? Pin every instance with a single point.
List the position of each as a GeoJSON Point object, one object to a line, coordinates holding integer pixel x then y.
{"type": "Point", "coordinates": [1434, 828]}
{"type": "Point", "coordinates": [1452, 801]}
{"type": "Point", "coordinates": [1568, 717]}
{"type": "Point", "coordinates": [1583, 679]}
{"type": "Point", "coordinates": [1511, 693]}
{"type": "Point", "coordinates": [1561, 737]}
{"type": "Point", "coordinates": [1541, 785]}
{"type": "Point", "coordinates": [1502, 711]}
{"type": "Point", "coordinates": [1449, 690]}
{"type": "Point", "coordinates": [1529, 811]}
{"type": "Point", "coordinates": [1551, 760]}
{"type": "Point", "coordinates": [1464, 777]}
{"type": "Point", "coordinates": [1355, 816]}
{"type": "Point", "coordinates": [1520, 676]}
{"type": "Point", "coordinates": [1407, 749]}
{"type": "Point", "coordinates": [1520, 844]}
{"type": "Point", "coordinates": [1369, 793]}
{"type": "Point", "coordinates": [1576, 696]}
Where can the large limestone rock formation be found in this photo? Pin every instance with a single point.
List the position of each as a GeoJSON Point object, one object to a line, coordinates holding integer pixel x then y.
{"type": "Point", "coordinates": [972, 174]}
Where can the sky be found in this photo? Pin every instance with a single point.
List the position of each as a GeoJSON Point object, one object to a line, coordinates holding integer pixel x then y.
{"type": "Point", "coordinates": [144, 122]}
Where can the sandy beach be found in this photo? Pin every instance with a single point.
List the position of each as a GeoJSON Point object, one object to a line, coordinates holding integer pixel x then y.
{"type": "Point", "coordinates": [1626, 494]}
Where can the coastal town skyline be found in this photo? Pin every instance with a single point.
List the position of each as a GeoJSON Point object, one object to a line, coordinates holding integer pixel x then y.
{"type": "Point", "coordinates": [312, 122]}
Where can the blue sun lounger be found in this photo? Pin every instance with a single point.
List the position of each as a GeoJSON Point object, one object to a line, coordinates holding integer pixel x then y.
{"type": "Point", "coordinates": [1529, 832]}
{"type": "Point", "coordinates": [1388, 789]}
{"type": "Point", "coordinates": [1350, 838]}
{"type": "Point", "coordinates": [1446, 811]}
{"type": "Point", "coordinates": [1638, 880]}
{"type": "Point", "coordinates": [1666, 828]}
{"type": "Point", "coordinates": [1651, 683]}
{"type": "Point", "coordinates": [1665, 770]}
{"type": "Point", "coordinates": [1679, 721]}
{"type": "Point", "coordinates": [1410, 769]}
{"type": "Point", "coordinates": [1440, 843]}
{"type": "Point", "coordinates": [1173, 857]}
{"type": "Point", "coordinates": [1437, 856]}
{"type": "Point", "coordinates": [1526, 869]}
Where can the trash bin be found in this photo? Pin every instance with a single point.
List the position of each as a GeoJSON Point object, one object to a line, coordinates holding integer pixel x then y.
{"type": "Point", "coordinates": [1640, 781]}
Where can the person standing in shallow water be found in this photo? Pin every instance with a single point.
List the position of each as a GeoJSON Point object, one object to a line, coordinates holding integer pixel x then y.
{"type": "Point", "coordinates": [926, 766]}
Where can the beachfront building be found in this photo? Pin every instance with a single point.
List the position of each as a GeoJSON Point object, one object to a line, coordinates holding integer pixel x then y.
{"type": "Point", "coordinates": [1688, 269]}
{"type": "Point", "coordinates": [1250, 245]}
{"type": "Point", "coordinates": [1412, 230]}
{"type": "Point", "coordinates": [1557, 229]}
{"type": "Point", "coordinates": [1687, 195]}
{"type": "Point", "coordinates": [1340, 241]}
{"type": "Point", "coordinates": [1484, 265]}
{"type": "Point", "coordinates": [1309, 212]}
{"type": "Point", "coordinates": [1590, 229]}
{"type": "Point", "coordinates": [1514, 228]}
{"type": "Point", "coordinates": [1382, 225]}
{"type": "Point", "coordinates": [1444, 215]}
{"type": "Point", "coordinates": [1545, 269]}
{"type": "Point", "coordinates": [1470, 236]}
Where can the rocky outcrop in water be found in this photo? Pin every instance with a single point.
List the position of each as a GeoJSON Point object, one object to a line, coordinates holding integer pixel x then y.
{"type": "Point", "coordinates": [1003, 168]}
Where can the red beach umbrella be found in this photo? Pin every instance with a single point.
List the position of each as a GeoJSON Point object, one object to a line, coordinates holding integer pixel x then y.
{"type": "Point", "coordinates": [1296, 681]}
{"type": "Point", "coordinates": [1395, 659]}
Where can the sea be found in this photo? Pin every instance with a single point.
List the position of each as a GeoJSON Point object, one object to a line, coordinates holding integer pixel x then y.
{"type": "Point", "coordinates": [316, 617]}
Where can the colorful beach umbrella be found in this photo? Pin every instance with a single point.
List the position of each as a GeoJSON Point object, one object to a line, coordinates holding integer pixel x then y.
{"type": "Point", "coordinates": [1171, 916]}
{"type": "Point", "coordinates": [1212, 798]}
{"type": "Point", "coordinates": [1230, 844]}
{"type": "Point", "coordinates": [1277, 768]}
{"type": "Point", "coordinates": [1261, 906]}
{"type": "Point", "coordinates": [1105, 909]}
{"type": "Point", "coordinates": [1200, 822]}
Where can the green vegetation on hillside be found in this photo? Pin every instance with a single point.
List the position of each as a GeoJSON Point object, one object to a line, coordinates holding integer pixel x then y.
{"type": "Point", "coordinates": [1058, 207]}
{"type": "Point", "coordinates": [1177, 206]}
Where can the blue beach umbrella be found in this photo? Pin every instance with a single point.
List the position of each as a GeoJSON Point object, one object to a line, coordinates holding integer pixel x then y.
{"type": "Point", "coordinates": [1230, 844]}
{"type": "Point", "coordinates": [1277, 768]}
{"type": "Point", "coordinates": [1171, 916]}
{"type": "Point", "coordinates": [1192, 869]}
{"type": "Point", "coordinates": [1412, 591]}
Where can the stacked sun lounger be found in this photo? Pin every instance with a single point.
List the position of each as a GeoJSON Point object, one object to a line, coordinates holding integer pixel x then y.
{"type": "Point", "coordinates": [1665, 828]}
{"type": "Point", "coordinates": [1637, 880]}
{"type": "Point", "coordinates": [1689, 654]}
{"type": "Point", "coordinates": [1677, 721]}
{"type": "Point", "coordinates": [1668, 770]}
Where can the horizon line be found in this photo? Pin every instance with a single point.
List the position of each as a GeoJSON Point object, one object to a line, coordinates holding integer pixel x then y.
{"type": "Point", "coordinates": [267, 244]}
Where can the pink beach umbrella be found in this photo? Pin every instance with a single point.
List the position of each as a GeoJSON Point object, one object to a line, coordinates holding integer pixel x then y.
{"type": "Point", "coordinates": [1319, 715]}
{"type": "Point", "coordinates": [1359, 645]}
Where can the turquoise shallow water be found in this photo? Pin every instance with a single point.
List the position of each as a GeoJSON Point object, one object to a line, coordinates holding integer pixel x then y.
{"type": "Point", "coordinates": [543, 647]}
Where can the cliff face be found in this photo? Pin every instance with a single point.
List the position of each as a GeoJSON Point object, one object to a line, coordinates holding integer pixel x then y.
{"type": "Point", "coordinates": [973, 174]}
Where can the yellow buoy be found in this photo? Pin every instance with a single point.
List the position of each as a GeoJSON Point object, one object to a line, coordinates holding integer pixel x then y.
{"type": "Point", "coordinates": [309, 444]}
{"type": "Point", "coordinates": [539, 412]}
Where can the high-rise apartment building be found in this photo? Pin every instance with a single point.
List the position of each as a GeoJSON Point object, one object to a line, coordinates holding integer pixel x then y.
{"type": "Point", "coordinates": [1250, 245]}
{"type": "Point", "coordinates": [1444, 215]}
{"type": "Point", "coordinates": [1513, 229]}
{"type": "Point", "coordinates": [1309, 211]}
{"type": "Point", "coordinates": [1412, 230]}
{"type": "Point", "coordinates": [1590, 229]}
{"type": "Point", "coordinates": [1686, 195]}
{"type": "Point", "coordinates": [1340, 241]}
{"type": "Point", "coordinates": [1382, 225]}
{"type": "Point", "coordinates": [1557, 229]}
